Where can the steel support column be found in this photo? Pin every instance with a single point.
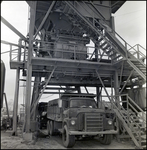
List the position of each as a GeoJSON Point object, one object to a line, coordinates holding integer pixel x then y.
{"type": "Point", "coordinates": [78, 88]}
{"type": "Point", "coordinates": [97, 95]}
{"type": "Point", "coordinates": [15, 105]}
{"type": "Point", "coordinates": [121, 73]}
{"type": "Point", "coordinates": [29, 66]}
{"type": "Point", "coordinates": [96, 52]}
{"type": "Point", "coordinates": [103, 85]}
{"type": "Point", "coordinates": [116, 86]}
{"type": "Point", "coordinates": [126, 81]}
{"type": "Point", "coordinates": [4, 94]}
{"type": "Point", "coordinates": [35, 94]}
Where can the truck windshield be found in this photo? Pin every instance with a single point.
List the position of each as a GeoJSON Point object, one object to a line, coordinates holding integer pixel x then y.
{"type": "Point", "coordinates": [83, 103]}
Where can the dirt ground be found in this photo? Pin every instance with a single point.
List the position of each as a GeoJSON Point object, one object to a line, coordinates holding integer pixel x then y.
{"type": "Point", "coordinates": [55, 142]}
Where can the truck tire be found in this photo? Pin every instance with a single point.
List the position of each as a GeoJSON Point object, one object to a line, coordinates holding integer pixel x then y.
{"type": "Point", "coordinates": [51, 128]}
{"type": "Point", "coordinates": [68, 140]}
{"type": "Point", "coordinates": [48, 127]}
{"type": "Point", "coordinates": [106, 139]}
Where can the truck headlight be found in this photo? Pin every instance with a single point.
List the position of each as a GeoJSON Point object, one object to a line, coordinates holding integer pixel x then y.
{"type": "Point", "coordinates": [72, 122]}
{"type": "Point", "coordinates": [110, 122]}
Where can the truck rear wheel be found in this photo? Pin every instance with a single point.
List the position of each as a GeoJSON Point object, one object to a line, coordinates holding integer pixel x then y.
{"type": "Point", "coordinates": [48, 127]}
{"type": "Point", "coordinates": [106, 139]}
{"type": "Point", "coordinates": [68, 140]}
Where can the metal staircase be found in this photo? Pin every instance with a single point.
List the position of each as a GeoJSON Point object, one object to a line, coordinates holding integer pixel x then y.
{"type": "Point", "coordinates": [133, 120]}
{"type": "Point", "coordinates": [108, 40]}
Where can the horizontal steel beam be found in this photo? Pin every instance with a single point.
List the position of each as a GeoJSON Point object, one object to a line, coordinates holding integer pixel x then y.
{"type": "Point", "coordinates": [73, 81]}
{"type": "Point", "coordinates": [70, 63]}
{"type": "Point", "coordinates": [53, 92]}
{"type": "Point", "coordinates": [59, 88]}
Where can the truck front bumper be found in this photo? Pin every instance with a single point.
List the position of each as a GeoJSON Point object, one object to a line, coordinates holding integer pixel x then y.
{"type": "Point", "coordinates": [92, 133]}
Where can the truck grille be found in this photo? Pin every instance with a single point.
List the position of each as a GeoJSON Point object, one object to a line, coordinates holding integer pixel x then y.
{"type": "Point", "coordinates": [93, 122]}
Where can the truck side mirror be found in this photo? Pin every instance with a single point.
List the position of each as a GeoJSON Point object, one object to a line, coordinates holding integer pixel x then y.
{"type": "Point", "coordinates": [60, 103]}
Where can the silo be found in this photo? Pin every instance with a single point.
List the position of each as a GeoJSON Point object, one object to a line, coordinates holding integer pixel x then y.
{"type": "Point", "coordinates": [2, 81]}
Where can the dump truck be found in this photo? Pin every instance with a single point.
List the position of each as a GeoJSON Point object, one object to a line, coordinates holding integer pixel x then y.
{"type": "Point", "coordinates": [76, 116]}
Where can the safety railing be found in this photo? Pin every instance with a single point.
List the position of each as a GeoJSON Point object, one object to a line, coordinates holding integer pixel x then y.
{"type": "Point", "coordinates": [20, 53]}
{"type": "Point", "coordinates": [134, 107]}
{"type": "Point", "coordinates": [57, 50]}
{"type": "Point", "coordinates": [68, 51]}
{"type": "Point", "coordinates": [137, 51]}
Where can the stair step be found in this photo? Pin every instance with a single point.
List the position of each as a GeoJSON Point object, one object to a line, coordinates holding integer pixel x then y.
{"type": "Point", "coordinates": [124, 136]}
{"type": "Point", "coordinates": [103, 44]}
{"type": "Point", "coordinates": [135, 132]}
{"type": "Point", "coordinates": [105, 48]}
{"type": "Point", "coordinates": [116, 57]}
{"type": "Point", "coordinates": [139, 127]}
{"type": "Point", "coordinates": [113, 54]}
{"type": "Point", "coordinates": [135, 119]}
{"type": "Point", "coordinates": [143, 141]}
{"type": "Point", "coordinates": [143, 137]}
{"type": "Point", "coordinates": [142, 68]}
{"type": "Point", "coordinates": [139, 123]}
{"type": "Point", "coordinates": [100, 40]}
{"type": "Point", "coordinates": [108, 52]}
{"type": "Point", "coordinates": [138, 64]}
{"type": "Point", "coordinates": [144, 147]}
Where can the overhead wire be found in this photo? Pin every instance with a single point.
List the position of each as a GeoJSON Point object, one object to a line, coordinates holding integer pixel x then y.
{"type": "Point", "coordinates": [130, 21]}
{"type": "Point", "coordinates": [129, 13]}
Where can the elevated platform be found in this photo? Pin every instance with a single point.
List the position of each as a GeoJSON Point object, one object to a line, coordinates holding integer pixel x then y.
{"type": "Point", "coordinates": [76, 72]}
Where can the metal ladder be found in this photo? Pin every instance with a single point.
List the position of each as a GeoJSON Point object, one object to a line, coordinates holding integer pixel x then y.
{"type": "Point", "coordinates": [107, 39]}
{"type": "Point", "coordinates": [134, 125]}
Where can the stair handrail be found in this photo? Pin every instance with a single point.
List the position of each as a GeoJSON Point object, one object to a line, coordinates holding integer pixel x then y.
{"type": "Point", "coordinates": [133, 102]}
{"type": "Point", "coordinates": [127, 120]}
{"type": "Point", "coordinates": [141, 46]}
{"type": "Point", "coordinates": [112, 31]}
{"type": "Point", "coordinates": [21, 54]}
{"type": "Point", "coordinates": [144, 119]}
{"type": "Point", "coordinates": [138, 108]}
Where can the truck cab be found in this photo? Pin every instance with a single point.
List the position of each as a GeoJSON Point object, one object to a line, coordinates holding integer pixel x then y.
{"type": "Point", "coordinates": [77, 115]}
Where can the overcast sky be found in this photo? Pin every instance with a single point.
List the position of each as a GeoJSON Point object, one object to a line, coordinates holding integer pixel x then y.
{"type": "Point", "coordinates": [130, 23]}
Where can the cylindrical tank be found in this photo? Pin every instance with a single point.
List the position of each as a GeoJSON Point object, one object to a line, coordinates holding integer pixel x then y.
{"type": "Point", "coordinates": [2, 81]}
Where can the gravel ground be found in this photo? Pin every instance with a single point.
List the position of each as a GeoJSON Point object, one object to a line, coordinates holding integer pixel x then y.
{"type": "Point", "coordinates": [55, 142]}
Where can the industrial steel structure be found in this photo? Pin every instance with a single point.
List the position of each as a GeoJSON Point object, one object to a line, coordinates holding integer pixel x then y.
{"type": "Point", "coordinates": [55, 57]}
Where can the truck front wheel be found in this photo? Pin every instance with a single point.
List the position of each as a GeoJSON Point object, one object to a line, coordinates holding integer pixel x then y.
{"type": "Point", "coordinates": [68, 140]}
{"type": "Point", "coordinates": [106, 139]}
